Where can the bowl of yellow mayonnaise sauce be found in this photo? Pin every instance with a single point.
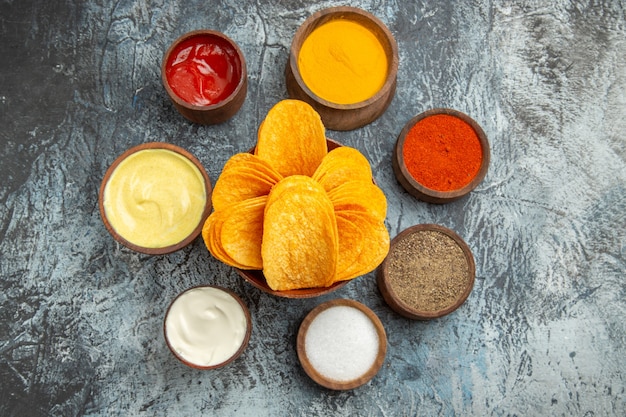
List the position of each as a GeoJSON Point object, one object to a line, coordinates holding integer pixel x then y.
{"type": "Point", "coordinates": [154, 198]}
{"type": "Point", "coordinates": [343, 61]}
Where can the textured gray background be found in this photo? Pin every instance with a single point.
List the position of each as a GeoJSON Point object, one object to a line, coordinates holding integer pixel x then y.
{"type": "Point", "coordinates": [543, 331]}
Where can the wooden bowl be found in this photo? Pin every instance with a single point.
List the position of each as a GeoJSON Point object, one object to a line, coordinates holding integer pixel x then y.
{"type": "Point", "coordinates": [422, 192]}
{"type": "Point", "coordinates": [162, 249]}
{"type": "Point", "coordinates": [256, 278]}
{"type": "Point", "coordinates": [220, 109]}
{"type": "Point", "coordinates": [344, 116]}
{"type": "Point", "coordinates": [390, 287]}
{"type": "Point", "coordinates": [235, 355]}
{"type": "Point", "coordinates": [319, 377]}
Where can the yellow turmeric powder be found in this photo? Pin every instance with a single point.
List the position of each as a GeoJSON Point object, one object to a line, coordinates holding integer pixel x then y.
{"type": "Point", "coordinates": [343, 62]}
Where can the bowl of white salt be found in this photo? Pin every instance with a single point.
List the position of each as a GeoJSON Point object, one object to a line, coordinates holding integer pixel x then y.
{"type": "Point", "coordinates": [341, 344]}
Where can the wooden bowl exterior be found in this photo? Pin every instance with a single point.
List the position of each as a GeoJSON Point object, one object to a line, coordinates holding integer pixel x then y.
{"type": "Point", "coordinates": [426, 194]}
{"type": "Point", "coordinates": [344, 116]}
{"type": "Point", "coordinates": [215, 113]}
{"type": "Point", "coordinates": [313, 373]}
{"type": "Point", "coordinates": [244, 343]}
{"type": "Point", "coordinates": [401, 307]}
{"type": "Point", "coordinates": [167, 249]}
{"type": "Point", "coordinates": [257, 279]}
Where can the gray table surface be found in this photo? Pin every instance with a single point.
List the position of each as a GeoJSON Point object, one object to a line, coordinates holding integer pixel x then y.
{"type": "Point", "coordinates": [543, 331]}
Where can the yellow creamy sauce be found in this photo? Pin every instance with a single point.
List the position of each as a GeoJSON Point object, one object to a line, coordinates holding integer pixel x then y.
{"type": "Point", "coordinates": [343, 62]}
{"type": "Point", "coordinates": [155, 198]}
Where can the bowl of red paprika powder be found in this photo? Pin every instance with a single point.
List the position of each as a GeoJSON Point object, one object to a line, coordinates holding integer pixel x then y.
{"type": "Point", "coordinates": [204, 73]}
{"type": "Point", "coordinates": [441, 155]}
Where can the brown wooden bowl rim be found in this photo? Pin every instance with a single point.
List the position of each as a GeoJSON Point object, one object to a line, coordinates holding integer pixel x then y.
{"type": "Point", "coordinates": [239, 351]}
{"type": "Point", "coordinates": [429, 194]}
{"type": "Point", "coordinates": [400, 306]}
{"type": "Point", "coordinates": [185, 104]}
{"type": "Point", "coordinates": [165, 249]}
{"type": "Point", "coordinates": [331, 13]}
{"type": "Point", "coordinates": [330, 383]}
{"type": "Point", "coordinates": [256, 278]}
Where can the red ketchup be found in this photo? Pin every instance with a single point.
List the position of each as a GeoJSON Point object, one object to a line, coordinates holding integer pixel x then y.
{"type": "Point", "coordinates": [203, 70]}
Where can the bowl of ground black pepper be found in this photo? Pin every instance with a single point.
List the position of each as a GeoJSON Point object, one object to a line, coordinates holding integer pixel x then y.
{"type": "Point", "coordinates": [428, 273]}
{"type": "Point", "coordinates": [441, 155]}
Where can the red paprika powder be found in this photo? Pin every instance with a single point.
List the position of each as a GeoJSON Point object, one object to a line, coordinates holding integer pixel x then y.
{"type": "Point", "coordinates": [442, 152]}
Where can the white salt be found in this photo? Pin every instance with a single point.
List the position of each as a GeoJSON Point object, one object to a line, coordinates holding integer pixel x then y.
{"type": "Point", "coordinates": [342, 343]}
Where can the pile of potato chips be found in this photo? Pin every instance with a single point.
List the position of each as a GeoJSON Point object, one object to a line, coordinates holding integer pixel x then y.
{"type": "Point", "coordinates": [303, 215]}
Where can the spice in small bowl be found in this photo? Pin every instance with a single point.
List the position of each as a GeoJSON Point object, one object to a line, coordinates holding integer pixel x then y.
{"type": "Point", "coordinates": [154, 198]}
{"type": "Point", "coordinates": [428, 273]}
{"type": "Point", "coordinates": [343, 62]}
{"type": "Point", "coordinates": [441, 155]}
{"type": "Point", "coordinates": [207, 327]}
{"type": "Point", "coordinates": [204, 73]}
{"type": "Point", "coordinates": [341, 344]}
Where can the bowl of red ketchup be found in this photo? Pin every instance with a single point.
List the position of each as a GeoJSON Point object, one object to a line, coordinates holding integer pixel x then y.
{"type": "Point", "coordinates": [204, 73]}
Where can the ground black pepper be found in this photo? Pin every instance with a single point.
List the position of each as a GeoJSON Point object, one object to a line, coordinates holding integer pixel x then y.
{"type": "Point", "coordinates": [427, 270]}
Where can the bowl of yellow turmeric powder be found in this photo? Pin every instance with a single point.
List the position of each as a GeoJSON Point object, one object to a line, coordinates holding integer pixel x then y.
{"type": "Point", "coordinates": [343, 62]}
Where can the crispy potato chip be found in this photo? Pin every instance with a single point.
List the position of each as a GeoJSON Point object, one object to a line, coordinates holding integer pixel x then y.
{"type": "Point", "coordinates": [234, 236]}
{"type": "Point", "coordinates": [363, 244]}
{"type": "Point", "coordinates": [250, 160]}
{"type": "Point", "coordinates": [211, 232]}
{"type": "Point", "coordinates": [359, 195]}
{"type": "Point", "coordinates": [300, 243]}
{"type": "Point", "coordinates": [242, 232]}
{"type": "Point", "coordinates": [340, 165]}
{"type": "Point", "coordinates": [244, 176]}
{"type": "Point", "coordinates": [292, 138]}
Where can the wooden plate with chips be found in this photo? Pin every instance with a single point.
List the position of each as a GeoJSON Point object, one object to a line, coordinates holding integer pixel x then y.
{"type": "Point", "coordinates": [256, 278]}
{"type": "Point", "coordinates": [298, 215]}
